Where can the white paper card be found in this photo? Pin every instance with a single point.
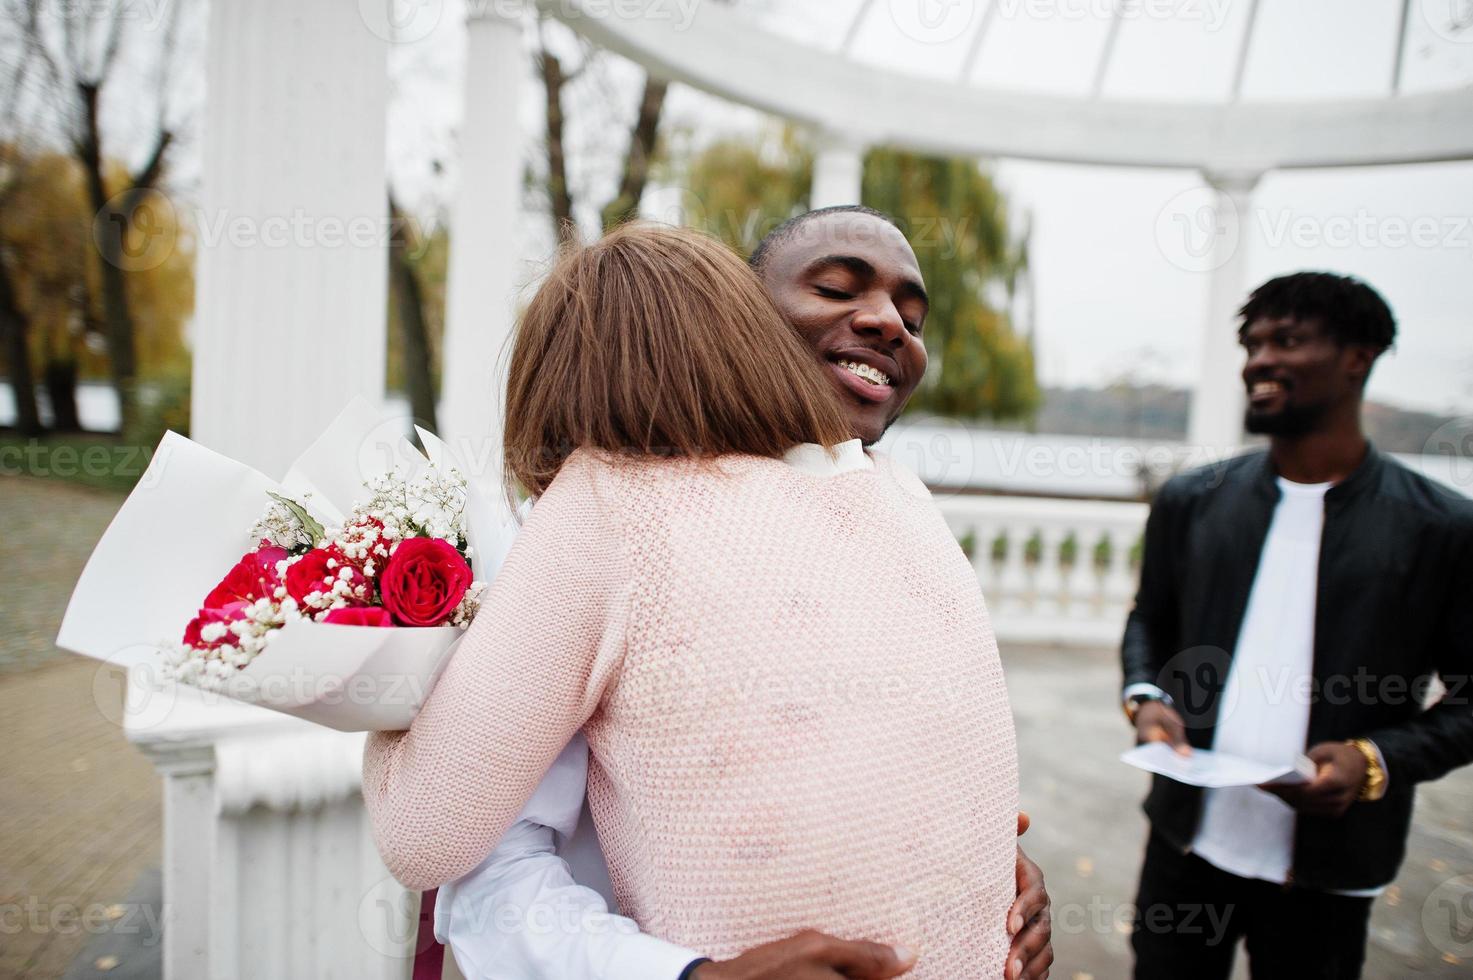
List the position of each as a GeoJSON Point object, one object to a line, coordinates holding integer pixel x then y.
{"type": "Point", "coordinates": [1214, 770]}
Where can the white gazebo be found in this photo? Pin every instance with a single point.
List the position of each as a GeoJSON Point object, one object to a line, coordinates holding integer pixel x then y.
{"type": "Point", "coordinates": [294, 887]}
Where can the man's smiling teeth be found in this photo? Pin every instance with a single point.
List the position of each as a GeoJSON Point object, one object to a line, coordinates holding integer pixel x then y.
{"type": "Point", "coordinates": [1265, 388]}
{"type": "Point", "coordinates": [873, 375]}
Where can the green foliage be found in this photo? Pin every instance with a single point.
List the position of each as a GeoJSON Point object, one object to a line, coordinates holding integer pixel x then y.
{"type": "Point", "coordinates": [1069, 550]}
{"type": "Point", "coordinates": [1000, 547]}
{"type": "Point", "coordinates": [968, 543]}
{"type": "Point", "coordinates": [314, 530]}
{"type": "Point", "coordinates": [163, 404]}
{"type": "Point", "coordinates": [1033, 548]}
{"type": "Point", "coordinates": [739, 190]}
{"type": "Point", "coordinates": [956, 220]}
{"type": "Point", "coordinates": [1104, 551]}
{"type": "Point", "coordinates": [430, 257]}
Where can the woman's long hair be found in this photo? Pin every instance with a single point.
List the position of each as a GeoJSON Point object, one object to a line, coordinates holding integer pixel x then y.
{"type": "Point", "coordinates": [658, 341]}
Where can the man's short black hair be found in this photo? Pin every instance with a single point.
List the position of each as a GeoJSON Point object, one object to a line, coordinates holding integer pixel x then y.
{"type": "Point", "coordinates": [1352, 312]}
{"type": "Point", "coordinates": [775, 238]}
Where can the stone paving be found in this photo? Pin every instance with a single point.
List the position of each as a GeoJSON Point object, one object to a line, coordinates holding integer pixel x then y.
{"type": "Point", "coordinates": [79, 806]}
{"type": "Point", "coordinates": [50, 528]}
{"type": "Point", "coordinates": [80, 818]}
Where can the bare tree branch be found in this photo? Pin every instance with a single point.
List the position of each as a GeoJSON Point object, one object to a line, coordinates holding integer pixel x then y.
{"type": "Point", "coordinates": [168, 67]}
{"type": "Point", "coordinates": [559, 199]}
{"type": "Point", "coordinates": [153, 169]}
{"type": "Point", "coordinates": [56, 90]}
{"type": "Point", "coordinates": [641, 151]}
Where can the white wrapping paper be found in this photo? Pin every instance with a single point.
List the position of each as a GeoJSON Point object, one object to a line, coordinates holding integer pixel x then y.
{"type": "Point", "coordinates": [188, 521]}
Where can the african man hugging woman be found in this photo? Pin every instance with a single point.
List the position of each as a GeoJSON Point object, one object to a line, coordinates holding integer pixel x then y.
{"type": "Point", "coordinates": [786, 673]}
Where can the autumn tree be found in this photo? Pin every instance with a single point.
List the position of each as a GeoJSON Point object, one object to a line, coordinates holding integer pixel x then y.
{"type": "Point", "coordinates": [15, 325]}
{"type": "Point", "coordinates": [417, 266]}
{"type": "Point", "coordinates": [18, 69]}
{"type": "Point", "coordinates": [46, 237]}
{"type": "Point", "coordinates": [43, 234]}
{"type": "Point", "coordinates": [77, 47]}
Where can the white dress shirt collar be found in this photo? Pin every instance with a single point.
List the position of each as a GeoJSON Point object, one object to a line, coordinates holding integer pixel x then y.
{"type": "Point", "coordinates": [814, 459]}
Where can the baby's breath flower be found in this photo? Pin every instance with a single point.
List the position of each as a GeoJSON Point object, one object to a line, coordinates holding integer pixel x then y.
{"type": "Point", "coordinates": [280, 527]}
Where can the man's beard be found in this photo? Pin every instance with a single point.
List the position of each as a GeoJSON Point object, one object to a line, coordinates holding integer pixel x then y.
{"type": "Point", "coordinates": [1290, 421]}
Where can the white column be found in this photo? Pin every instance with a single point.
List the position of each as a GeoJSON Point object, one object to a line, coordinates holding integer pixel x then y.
{"type": "Point", "coordinates": [484, 259]}
{"type": "Point", "coordinates": [1216, 422]}
{"type": "Point", "coordinates": [838, 172]}
{"type": "Point", "coordinates": [290, 324]}
{"type": "Point", "coordinates": [292, 264]}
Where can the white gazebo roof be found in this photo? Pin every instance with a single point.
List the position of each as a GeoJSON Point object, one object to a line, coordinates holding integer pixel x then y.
{"type": "Point", "coordinates": [1207, 84]}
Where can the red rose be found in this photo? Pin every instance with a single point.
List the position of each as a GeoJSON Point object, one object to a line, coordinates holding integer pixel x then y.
{"type": "Point", "coordinates": [359, 616]}
{"type": "Point", "coordinates": [424, 581]}
{"type": "Point", "coordinates": [227, 614]}
{"type": "Point", "coordinates": [252, 578]}
{"type": "Point", "coordinates": [311, 573]}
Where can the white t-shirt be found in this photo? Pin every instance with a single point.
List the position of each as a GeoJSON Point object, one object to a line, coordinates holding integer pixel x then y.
{"type": "Point", "coordinates": [1264, 712]}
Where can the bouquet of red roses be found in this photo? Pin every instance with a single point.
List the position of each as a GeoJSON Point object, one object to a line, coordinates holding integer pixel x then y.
{"type": "Point", "coordinates": [341, 616]}
{"type": "Point", "coordinates": [398, 560]}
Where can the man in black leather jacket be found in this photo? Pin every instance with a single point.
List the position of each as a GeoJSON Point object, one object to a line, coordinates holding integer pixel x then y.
{"type": "Point", "coordinates": [1299, 600]}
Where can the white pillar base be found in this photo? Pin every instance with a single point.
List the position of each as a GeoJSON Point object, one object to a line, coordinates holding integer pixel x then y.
{"type": "Point", "coordinates": [269, 865]}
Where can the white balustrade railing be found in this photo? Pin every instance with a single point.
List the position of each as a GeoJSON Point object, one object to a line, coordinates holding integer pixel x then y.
{"type": "Point", "coordinates": [1052, 571]}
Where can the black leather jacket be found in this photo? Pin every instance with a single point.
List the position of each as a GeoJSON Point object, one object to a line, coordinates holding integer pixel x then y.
{"type": "Point", "coordinates": [1395, 606]}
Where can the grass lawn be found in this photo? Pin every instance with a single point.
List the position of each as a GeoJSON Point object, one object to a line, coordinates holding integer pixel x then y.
{"type": "Point", "coordinates": [101, 460]}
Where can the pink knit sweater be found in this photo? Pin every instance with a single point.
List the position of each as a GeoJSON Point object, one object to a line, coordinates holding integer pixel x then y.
{"type": "Point", "coordinates": [792, 698]}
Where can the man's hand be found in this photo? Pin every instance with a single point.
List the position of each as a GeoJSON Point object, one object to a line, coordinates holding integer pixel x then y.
{"type": "Point", "coordinates": [812, 955]}
{"type": "Point", "coordinates": [1029, 923]}
{"type": "Point", "coordinates": [1155, 721]}
{"type": "Point", "coordinates": [1341, 771]}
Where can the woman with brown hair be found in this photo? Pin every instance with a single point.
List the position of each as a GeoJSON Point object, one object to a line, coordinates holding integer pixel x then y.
{"type": "Point", "coordinates": [657, 342]}
{"type": "Point", "coordinates": [785, 673]}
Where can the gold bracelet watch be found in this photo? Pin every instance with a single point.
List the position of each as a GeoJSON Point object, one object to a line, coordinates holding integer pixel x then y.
{"type": "Point", "coordinates": [1375, 785]}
